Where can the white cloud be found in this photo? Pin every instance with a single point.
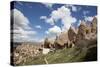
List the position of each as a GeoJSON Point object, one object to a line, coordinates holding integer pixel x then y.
{"type": "Point", "coordinates": [50, 21]}
{"type": "Point", "coordinates": [49, 5]}
{"type": "Point", "coordinates": [47, 20]}
{"type": "Point", "coordinates": [88, 18]}
{"type": "Point", "coordinates": [79, 22]}
{"type": "Point", "coordinates": [20, 20]}
{"type": "Point", "coordinates": [55, 30]}
{"type": "Point", "coordinates": [63, 14]}
{"type": "Point", "coordinates": [60, 13]}
{"type": "Point", "coordinates": [22, 31]}
{"type": "Point", "coordinates": [43, 17]}
{"type": "Point", "coordinates": [38, 26]}
{"type": "Point", "coordinates": [74, 8]}
{"type": "Point", "coordinates": [85, 12]}
{"type": "Point", "coordinates": [67, 22]}
{"type": "Point", "coordinates": [46, 32]}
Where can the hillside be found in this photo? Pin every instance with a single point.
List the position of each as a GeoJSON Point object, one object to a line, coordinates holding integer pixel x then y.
{"type": "Point", "coordinates": [65, 56]}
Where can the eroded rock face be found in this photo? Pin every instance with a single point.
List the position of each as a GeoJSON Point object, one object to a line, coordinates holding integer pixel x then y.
{"type": "Point", "coordinates": [46, 43]}
{"type": "Point", "coordinates": [62, 40]}
{"type": "Point", "coordinates": [88, 29]}
{"type": "Point", "coordinates": [81, 31]}
{"type": "Point", "coordinates": [94, 25]}
{"type": "Point", "coordinates": [73, 37]}
{"type": "Point", "coordinates": [87, 33]}
{"type": "Point", "coordinates": [72, 34]}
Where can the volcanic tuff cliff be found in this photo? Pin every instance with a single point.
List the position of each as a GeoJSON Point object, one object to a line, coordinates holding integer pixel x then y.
{"type": "Point", "coordinates": [94, 25]}
{"type": "Point", "coordinates": [73, 36]}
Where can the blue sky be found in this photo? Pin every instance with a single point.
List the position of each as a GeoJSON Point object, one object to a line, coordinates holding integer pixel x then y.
{"type": "Point", "coordinates": [47, 20]}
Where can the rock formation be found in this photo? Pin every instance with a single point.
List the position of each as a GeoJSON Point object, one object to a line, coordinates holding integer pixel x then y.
{"type": "Point", "coordinates": [94, 25]}
{"type": "Point", "coordinates": [74, 37]}
{"type": "Point", "coordinates": [72, 34]}
{"type": "Point", "coordinates": [86, 33]}
{"type": "Point", "coordinates": [62, 40]}
{"type": "Point", "coordinates": [81, 31]}
{"type": "Point", "coordinates": [47, 43]}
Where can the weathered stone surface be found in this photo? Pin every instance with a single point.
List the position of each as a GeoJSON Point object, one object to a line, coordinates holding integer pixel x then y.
{"type": "Point", "coordinates": [72, 34]}
{"type": "Point", "coordinates": [94, 25]}
{"type": "Point", "coordinates": [63, 38]}
{"type": "Point", "coordinates": [86, 33]}
{"type": "Point", "coordinates": [81, 31]}
{"type": "Point", "coordinates": [46, 43]}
